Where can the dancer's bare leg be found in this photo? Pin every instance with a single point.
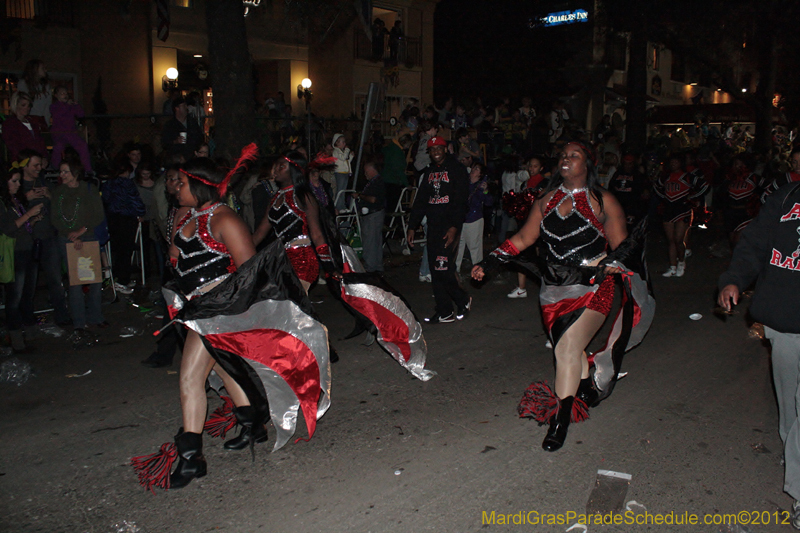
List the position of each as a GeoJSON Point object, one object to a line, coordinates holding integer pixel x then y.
{"type": "Point", "coordinates": [681, 234]}
{"type": "Point", "coordinates": [571, 362]}
{"type": "Point", "coordinates": [196, 364]}
{"type": "Point", "coordinates": [234, 390]}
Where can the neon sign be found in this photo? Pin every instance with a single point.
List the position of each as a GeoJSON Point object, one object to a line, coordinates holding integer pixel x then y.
{"type": "Point", "coordinates": [561, 17]}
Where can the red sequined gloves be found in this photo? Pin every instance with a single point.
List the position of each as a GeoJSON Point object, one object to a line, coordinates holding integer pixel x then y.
{"type": "Point", "coordinates": [325, 258]}
{"type": "Point", "coordinates": [499, 256]}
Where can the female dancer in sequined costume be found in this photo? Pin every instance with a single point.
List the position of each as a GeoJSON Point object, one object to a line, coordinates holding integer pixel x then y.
{"type": "Point", "coordinates": [579, 224]}
{"type": "Point", "coordinates": [209, 242]}
{"type": "Point", "coordinates": [294, 215]}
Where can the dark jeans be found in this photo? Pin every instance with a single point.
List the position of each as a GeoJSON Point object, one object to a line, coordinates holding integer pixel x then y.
{"type": "Point", "coordinates": [19, 293]}
{"type": "Point", "coordinates": [372, 240]}
{"type": "Point", "coordinates": [123, 243]}
{"type": "Point", "coordinates": [50, 262]}
{"type": "Point", "coordinates": [446, 288]}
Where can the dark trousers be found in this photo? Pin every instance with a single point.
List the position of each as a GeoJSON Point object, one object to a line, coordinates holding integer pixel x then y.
{"type": "Point", "coordinates": [19, 293]}
{"type": "Point", "coordinates": [50, 262]}
{"type": "Point", "coordinates": [123, 243]}
{"type": "Point", "coordinates": [446, 288]}
{"type": "Point", "coordinates": [170, 340]}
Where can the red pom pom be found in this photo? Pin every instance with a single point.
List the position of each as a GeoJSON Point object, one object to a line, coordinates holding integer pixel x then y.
{"type": "Point", "coordinates": [541, 403]}
{"type": "Point", "coordinates": [518, 204]}
{"type": "Point", "coordinates": [222, 420]}
{"type": "Point", "coordinates": [153, 470]}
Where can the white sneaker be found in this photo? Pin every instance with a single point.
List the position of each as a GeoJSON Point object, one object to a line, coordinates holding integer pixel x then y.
{"type": "Point", "coordinates": [122, 289]}
{"type": "Point", "coordinates": [688, 253]}
{"type": "Point", "coordinates": [671, 273]}
{"type": "Point", "coordinates": [425, 279]}
{"type": "Point", "coordinates": [518, 293]}
{"type": "Point", "coordinates": [681, 270]}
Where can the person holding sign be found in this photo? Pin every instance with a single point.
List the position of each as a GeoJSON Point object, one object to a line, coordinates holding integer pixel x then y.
{"type": "Point", "coordinates": [76, 210]}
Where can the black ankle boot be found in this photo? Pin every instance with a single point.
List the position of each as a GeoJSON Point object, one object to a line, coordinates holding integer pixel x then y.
{"type": "Point", "coordinates": [252, 431]}
{"type": "Point", "coordinates": [191, 463]}
{"type": "Point", "coordinates": [558, 425]}
{"type": "Point", "coordinates": [587, 392]}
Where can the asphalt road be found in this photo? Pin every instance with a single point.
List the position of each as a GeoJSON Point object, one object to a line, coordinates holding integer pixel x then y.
{"type": "Point", "coordinates": [694, 424]}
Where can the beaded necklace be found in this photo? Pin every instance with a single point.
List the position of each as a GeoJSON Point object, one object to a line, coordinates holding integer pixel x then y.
{"type": "Point", "coordinates": [19, 211]}
{"type": "Point", "coordinates": [70, 222]}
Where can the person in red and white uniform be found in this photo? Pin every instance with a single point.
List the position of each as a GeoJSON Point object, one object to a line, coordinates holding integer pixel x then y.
{"type": "Point", "coordinates": [679, 191]}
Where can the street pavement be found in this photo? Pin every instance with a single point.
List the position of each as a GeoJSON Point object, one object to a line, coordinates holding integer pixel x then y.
{"type": "Point", "coordinates": [694, 424]}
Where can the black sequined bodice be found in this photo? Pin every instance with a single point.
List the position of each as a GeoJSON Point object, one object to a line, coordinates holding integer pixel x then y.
{"type": "Point", "coordinates": [286, 217]}
{"type": "Point", "coordinates": [202, 260]}
{"type": "Point", "coordinates": [576, 239]}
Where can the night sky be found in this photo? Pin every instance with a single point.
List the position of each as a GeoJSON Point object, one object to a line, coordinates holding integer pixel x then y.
{"type": "Point", "coordinates": [486, 48]}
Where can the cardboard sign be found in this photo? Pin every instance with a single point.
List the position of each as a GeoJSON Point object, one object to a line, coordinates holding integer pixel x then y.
{"type": "Point", "coordinates": [84, 265]}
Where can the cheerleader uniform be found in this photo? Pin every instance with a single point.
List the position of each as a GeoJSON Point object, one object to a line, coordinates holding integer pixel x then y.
{"type": "Point", "coordinates": [742, 201]}
{"type": "Point", "coordinates": [677, 191]}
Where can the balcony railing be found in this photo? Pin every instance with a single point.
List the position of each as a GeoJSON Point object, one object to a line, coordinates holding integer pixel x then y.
{"type": "Point", "coordinates": [407, 51]}
{"type": "Point", "coordinates": [59, 12]}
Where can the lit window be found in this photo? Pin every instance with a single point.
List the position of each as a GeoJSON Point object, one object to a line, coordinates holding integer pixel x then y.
{"type": "Point", "coordinates": [655, 57]}
{"type": "Point", "coordinates": [22, 9]}
{"type": "Point", "coordinates": [182, 3]}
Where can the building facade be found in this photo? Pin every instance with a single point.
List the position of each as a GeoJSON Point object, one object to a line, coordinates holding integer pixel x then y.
{"type": "Point", "coordinates": [111, 51]}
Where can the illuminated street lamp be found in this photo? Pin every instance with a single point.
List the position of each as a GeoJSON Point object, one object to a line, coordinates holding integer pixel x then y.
{"type": "Point", "coordinates": [170, 79]}
{"type": "Point", "coordinates": [304, 93]}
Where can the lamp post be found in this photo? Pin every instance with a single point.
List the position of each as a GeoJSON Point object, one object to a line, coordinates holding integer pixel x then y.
{"type": "Point", "coordinates": [304, 93]}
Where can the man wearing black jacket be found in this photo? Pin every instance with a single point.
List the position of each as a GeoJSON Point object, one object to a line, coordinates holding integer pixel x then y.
{"type": "Point", "coordinates": [768, 252]}
{"type": "Point", "coordinates": [442, 198]}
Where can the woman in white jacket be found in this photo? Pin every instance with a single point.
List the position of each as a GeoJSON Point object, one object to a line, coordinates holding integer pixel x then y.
{"type": "Point", "coordinates": [343, 171]}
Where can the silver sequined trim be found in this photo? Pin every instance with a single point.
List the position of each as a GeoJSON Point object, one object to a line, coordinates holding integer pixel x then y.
{"type": "Point", "coordinates": [571, 195]}
{"type": "Point", "coordinates": [220, 255]}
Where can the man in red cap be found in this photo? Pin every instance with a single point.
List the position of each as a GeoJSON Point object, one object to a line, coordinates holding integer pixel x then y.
{"type": "Point", "coordinates": [442, 198]}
